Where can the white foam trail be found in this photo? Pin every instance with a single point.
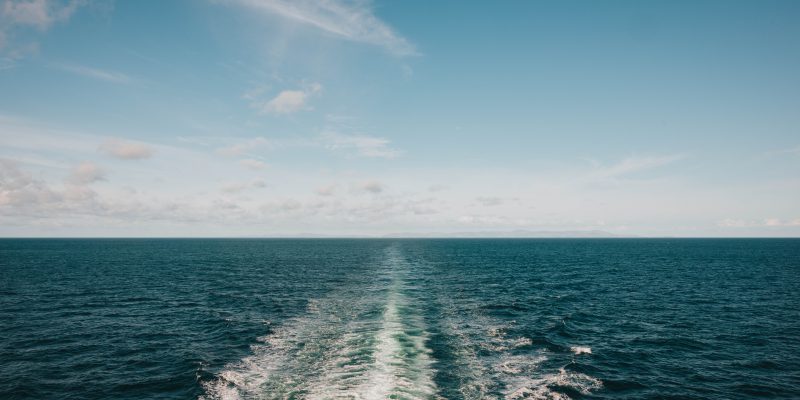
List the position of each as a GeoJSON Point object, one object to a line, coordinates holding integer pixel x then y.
{"type": "Point", "coordinates": [383, 377]}
{"type": "Point", "coordinates": [245, 378]}
{"type": "Point", "coordinates": [403, 366]}
{"type": "Point", "coordinates": [291, 361]}
{"type": "Point", "coordinates": [340, 350]}
{"type": "Point", "coordinates": [369, 342]}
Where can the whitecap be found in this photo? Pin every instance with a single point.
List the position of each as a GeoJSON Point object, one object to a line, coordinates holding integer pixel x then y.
{"type": "Point", "coordinates": [581, 350]}
{"type": "Point", "coordinates": [541, 388]}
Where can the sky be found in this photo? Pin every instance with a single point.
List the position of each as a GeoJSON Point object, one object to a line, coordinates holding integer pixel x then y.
{"type": "Point", "coordinates": [242, 118]}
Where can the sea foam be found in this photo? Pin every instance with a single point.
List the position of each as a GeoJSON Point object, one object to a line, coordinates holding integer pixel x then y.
{"type": "Point", "coordinates": [581, 350]}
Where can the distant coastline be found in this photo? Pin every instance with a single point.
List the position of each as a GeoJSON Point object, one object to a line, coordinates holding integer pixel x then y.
{"type": "Point", "coordinates": [514, 234]}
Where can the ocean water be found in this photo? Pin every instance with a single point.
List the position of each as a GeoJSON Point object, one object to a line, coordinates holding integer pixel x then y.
{"type": "Point", "coordinates": [402, 319]}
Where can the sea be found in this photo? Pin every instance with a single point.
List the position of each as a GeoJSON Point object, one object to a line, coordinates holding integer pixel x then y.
{"type": "Point", "coordinates": [399, 319]}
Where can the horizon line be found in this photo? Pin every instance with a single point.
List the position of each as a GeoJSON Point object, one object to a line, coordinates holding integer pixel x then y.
{"type": "Point", "coordinates": [366, 237]}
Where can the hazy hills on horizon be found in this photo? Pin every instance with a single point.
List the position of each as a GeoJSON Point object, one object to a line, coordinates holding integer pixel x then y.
{"type": "Point", "coordinates": [519, 233]}
{"type": "Point", "coordinates": [510, 234]}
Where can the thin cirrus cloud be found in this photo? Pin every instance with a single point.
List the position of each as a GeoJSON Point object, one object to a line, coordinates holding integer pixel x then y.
{"type": "Point", "coordinates": [242, 148]}
{"type": "Point", "coordinates": [634, 164]}
{"type": "Point", "coordinates": [350, 20]}
{"type": "Point", "coordinates": [362, 145]}
{"type": "Point", "coordinates": [96, 73]}
{"type": "Point", "coordinates": [350, 145]}
{"type": "Point", "coordinates": [126, 150]}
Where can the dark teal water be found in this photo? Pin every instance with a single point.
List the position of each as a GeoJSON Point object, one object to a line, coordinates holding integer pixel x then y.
{"type": "Point", "coordinates": [413, 319]}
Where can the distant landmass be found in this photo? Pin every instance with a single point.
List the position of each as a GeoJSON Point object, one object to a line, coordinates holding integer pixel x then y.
{"type": "Point", "coordinates": [519, 233]}
{"type": "Point", "coordinates": [513, 234]}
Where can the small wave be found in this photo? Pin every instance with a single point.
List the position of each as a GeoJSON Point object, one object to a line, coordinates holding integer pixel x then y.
{"type": "Point", "coordinates": [499, 341]}
{"type": "Point", "coordinates": [520, 365]}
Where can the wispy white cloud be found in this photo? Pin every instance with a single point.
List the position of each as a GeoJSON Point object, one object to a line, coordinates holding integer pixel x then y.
{"type": "Point", "coordinates": [351, 20]}
{"type": "Point", "coordinates": [287, 101]}
{"type": "Point", "coordinates": [244, 147]}
{"type": "Point", "coordinates": [374, 187]}
{"type": "Point", "coordinates": [191, 190]}
{"type": "Point", "coordinates": [634, 164]}
{"type": "Point", "coordinates": [96, 73]}
{"type": "Point", "coordinates": [86, 173]}
{"type": "Point", "coordinates": [489, 201]}
{"type": "Point", "coordinates": [357, 145]}
{"type": "Point", "coordinates": [328, 190]}
{"type": "Point", "coordinates": [290, 101]}
{"type": "Point", "coordinates": [252, 164]}
{"type": "Point", "coordinates": [767, 222]}
{"type": "Point", "coordinates": [39, 15]}
{"type": "Point", "coordinates": [236, 187]}
{"type": "Point", "coordinates": [362, 145]}
{"type": "Point", "coordinates": [126, 150]}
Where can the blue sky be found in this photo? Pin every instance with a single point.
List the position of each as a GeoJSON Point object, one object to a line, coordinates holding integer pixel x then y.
{"type": "Point", "coordinates": [265, 117]}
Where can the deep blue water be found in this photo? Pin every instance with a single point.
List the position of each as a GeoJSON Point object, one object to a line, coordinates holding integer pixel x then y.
{"type": "Point", "coordinates": [375, 319]}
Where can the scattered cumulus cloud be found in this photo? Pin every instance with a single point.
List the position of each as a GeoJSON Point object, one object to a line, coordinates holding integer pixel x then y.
{"type": "Point", "coordinates": [350, 20]}
{"type": "Point", "coordinates": [237, 187]}
{"type": "Point", "coordinates": [20, 189]}
{"type": "Point", "coordinates": [202, 192]}
{"type": "Point", "coordinates": [86, 173]}
{"type": "Point", "coordinates": [373, 187]}
{"type": "Point", "coordinates": [291, 101]}
{"type": "Point", "coordinates": [126, 150]}
{"type": "Point", "coordinates": [489, 201]}
{"type": "Point", "coordinates": [328, 190]}
{"type": "Point", "coordinates": [21, 194]}
{"type": "Point", "coordinates": [252, 164]}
